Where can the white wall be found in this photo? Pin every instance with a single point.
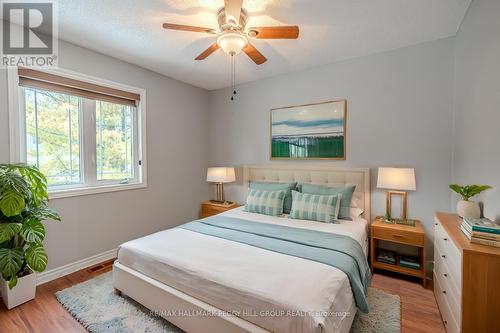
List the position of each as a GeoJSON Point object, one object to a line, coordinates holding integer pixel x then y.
{"type": "Point", "coordinates": [399, 114]}
{"type": "Point", "coordinates": [477, 102]}
{"type": "Point", "coordinates": [177, 158]}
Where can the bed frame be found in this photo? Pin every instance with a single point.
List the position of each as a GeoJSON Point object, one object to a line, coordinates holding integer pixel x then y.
{"type": "Point", "coordinates": [177, 307]}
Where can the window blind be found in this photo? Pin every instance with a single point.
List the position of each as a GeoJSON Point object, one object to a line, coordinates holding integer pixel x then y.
{"type": "Point", "coordinates": [31, 78]}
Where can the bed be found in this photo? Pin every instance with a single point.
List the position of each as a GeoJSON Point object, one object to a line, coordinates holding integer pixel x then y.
{"type": "Point", "coordinates": [202, 283]}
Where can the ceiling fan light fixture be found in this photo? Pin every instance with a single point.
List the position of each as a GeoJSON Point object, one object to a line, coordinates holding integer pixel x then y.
{"type": "Point", "coordinates": [232, 43]}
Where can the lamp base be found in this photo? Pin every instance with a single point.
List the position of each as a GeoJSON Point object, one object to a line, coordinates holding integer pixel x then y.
{"type": "Point", "coordinates": [389, 203]}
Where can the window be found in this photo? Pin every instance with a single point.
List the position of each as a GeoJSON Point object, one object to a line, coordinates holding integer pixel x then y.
{"type": "Point", "coordinates": [53, 135]}
{"type": "Point", "coordinates": [79, 138]}
{"type": "Point", "coordinates": [115, 141]}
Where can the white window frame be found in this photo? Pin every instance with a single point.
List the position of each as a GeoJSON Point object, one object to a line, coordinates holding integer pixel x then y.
{"type": "Point", "coordinates": [17, 137]}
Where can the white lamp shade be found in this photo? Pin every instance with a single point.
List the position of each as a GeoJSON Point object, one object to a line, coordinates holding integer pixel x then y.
{"type": "Point", "coordinates": [396, 179]}
{"type": "Point", "coordinates": [220, 175]}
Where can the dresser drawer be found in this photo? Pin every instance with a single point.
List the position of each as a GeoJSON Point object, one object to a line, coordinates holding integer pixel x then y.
{"type": "Point", "coordinates": [450, 322]}
{"type": "Point", "coordinates": [449, 288]}
{"type": "Point", "coordinates": [399, 236]}
{"type": "Point", "coordinates": [448, 253]}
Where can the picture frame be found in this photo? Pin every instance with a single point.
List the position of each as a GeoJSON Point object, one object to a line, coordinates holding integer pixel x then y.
{"type": "Point", "coordinates": [315, 131]}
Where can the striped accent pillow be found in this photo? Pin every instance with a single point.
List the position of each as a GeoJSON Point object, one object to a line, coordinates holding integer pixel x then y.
{"type": "Point", "coordinates": [315, 207]}
{"type": "Point", "coordinates": [265, 202]}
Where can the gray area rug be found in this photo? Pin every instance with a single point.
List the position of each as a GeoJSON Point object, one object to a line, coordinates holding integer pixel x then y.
{"type": "Point", "coordinates": [94, 304]}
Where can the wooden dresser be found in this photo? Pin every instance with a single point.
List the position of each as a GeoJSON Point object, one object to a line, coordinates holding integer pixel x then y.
{"type": "Point", "coordinates": [466, 279]}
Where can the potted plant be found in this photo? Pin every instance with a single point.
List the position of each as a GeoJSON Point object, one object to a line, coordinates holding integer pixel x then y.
{"type": "Point", "coordinates": [23, 207]}
{"type": "Point", "coordinates": [466, 208]}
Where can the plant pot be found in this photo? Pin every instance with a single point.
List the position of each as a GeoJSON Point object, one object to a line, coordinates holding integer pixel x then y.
{"type": "Point", "coordinates": [469, 209]}
{"type": "Point", "coordinates": [24, 291]}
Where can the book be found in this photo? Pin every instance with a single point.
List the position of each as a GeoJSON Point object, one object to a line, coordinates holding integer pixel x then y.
{"type": "Point", "coordinates": [466, 232]}
{"type": "Point", "coordinates": [483, 225]}
{"type": "Point", "coordinates": [409, 262]}
{"type": "Point", "coordinates": [478, 234]}
{"type": "Point", "coordinates": [387, 261]}
{"type": "Point", "coordinates": [485, 242]}
{"type": "Point", "coordinates": [417, 267]}
{"type": "Point", "coordinates": [388, 257]}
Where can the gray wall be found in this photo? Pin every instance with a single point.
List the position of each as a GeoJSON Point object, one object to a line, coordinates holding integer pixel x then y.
{"type": "Point", "coordinates": [176, 168]}
{"type": "Point", "coordinates": [399, 114]}
{"type": "Point", "coordinates": [477, 102]}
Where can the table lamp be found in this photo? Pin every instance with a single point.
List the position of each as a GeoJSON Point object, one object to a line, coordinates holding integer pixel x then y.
{"type": "Point", "coordinates": [397, 181]}
{"type": "Point", "coordinates": [219, 176]}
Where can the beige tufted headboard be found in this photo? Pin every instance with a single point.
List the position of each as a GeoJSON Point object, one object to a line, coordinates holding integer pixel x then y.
{"type": "Point", "coordinates": [321, 175]}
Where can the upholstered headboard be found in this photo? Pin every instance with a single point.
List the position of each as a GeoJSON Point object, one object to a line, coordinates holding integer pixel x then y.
{"type": "Point", "coordinates": [321, 175]}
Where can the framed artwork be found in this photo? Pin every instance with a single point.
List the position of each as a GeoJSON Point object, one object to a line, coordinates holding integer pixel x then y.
{"type": "Point", "coordinates": [312, 131]}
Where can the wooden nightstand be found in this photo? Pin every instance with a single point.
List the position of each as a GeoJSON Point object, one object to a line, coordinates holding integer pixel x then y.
{"type": "Point", "coordinates": [209, 208]}
{"type": "Point", "coordinates": [400, 234]}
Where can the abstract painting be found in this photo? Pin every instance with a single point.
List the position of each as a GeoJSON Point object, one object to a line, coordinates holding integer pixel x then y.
{"type": "Point", "coordinates": [312, 131]}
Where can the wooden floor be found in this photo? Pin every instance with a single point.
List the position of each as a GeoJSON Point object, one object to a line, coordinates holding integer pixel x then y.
{"type": "Point", "coordinates": [44, 314]}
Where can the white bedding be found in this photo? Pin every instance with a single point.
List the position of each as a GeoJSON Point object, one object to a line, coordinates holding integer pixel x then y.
{"type": "Point", "coordinates": [256, 284]}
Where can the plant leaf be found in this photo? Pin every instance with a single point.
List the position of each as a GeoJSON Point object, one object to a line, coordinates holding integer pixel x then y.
{"type": "Point", "coordinates": [12, 203]}
{"type": "Point", "coordinates": [11, 261]}
{"type": "Point", "coordinates": [33, 231]}
{"type": "Point", "coordinates": [13, 281]}
{"type": "Point", "coordinates": [44, 213]}
{"type": "Point", "coordinates": [8, 230]}
{"type": "Point", "coordinates": [476, 189]}
{"type": "Point", "coordinates": [36, 257]}
{"type": "Point", "coordinates": [459, 189]}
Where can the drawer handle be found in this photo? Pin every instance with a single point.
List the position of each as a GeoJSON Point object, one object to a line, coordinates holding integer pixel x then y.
{"type": "Point", "coordinates": [435, 224]}
{"type": "Point", "coordinates": [396, 235]}
{"type": "Point", "coordinates": [445, 275]}
{"type": "Point", "coordinates": [445, 322]}
{"type": "Point", "coordinates": [444, 291]}
{"type": "Point", "coordinates": [444, 256]}
{"type": "Point", "coordinates": [445, 239]}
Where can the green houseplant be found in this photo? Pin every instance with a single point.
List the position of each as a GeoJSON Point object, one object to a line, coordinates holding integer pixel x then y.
{"type": "Point", "coordinates": [465, 207]}
{"type": "Point", "coordinates": [23, 207]}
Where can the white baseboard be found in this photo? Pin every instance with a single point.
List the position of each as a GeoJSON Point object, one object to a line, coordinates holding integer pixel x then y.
{"type": "Point", "coordinates": [55, 273]}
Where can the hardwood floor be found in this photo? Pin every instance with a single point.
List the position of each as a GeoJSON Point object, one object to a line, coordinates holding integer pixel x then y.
{"type": "Point", "coordinates": [419, 311]}
{"type": "Point", "coordinates": [45, 314]}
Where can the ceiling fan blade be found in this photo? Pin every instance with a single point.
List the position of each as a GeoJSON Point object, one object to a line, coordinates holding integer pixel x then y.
{"type": "Point", "coordinates": [286, 32]}
{"type": "Point", "coordinates": [182, 27]}
{"type": "Point", "coordinates": [214, 47]}
{"type": "Point", "coordinates": [254, 54]}
{"type": "Point", "coordinates": [233, 11]}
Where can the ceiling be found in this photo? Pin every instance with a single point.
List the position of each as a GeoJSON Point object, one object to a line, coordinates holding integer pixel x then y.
{"type": "Point", "coordinates": [330, 30]}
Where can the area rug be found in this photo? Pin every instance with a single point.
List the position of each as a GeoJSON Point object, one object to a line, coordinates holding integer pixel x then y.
{"type": "Point", "coordinates": [94, 304]}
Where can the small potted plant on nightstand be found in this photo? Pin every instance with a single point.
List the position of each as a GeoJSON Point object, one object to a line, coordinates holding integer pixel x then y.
{"type": "Point", "coordinates": [23, 207]}
{"type": "Point", "coordinates": [465, 207]}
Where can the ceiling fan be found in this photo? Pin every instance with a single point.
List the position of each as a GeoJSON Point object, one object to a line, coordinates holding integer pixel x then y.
{"type": "Point", "coordinates": [233, 37]}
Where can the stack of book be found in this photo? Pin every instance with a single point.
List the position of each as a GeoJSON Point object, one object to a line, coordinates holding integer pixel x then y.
{"type": "Point", "coordinates": [481, 231]}
{"type": "Point", "coordinates": [409, 262]}
{"type": "Point", "coordinates": [388, 257]}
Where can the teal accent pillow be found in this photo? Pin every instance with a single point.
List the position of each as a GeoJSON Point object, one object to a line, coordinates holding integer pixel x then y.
{"type": "Point", "coordinates": [265, 202]}
{"type": "Point", "coordinates": [345, 200]}
{"type": "Point", "coordinates": [315, 207]}
{"type": "Point", "coordinates": [288, 187]}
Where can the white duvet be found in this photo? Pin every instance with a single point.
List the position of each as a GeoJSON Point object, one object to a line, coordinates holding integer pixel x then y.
{"type": "Point", "coordinates": [278, 292]}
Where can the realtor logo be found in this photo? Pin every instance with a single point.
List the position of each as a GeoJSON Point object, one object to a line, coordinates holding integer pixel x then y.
{"type": "Point", "coordinates": [28, 34]}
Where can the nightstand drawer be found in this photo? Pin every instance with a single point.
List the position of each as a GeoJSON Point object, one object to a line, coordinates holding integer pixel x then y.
{"type": "Point", "coordinates": [210, 208]}
{"type": "Point", "coordinates": [399, 236]}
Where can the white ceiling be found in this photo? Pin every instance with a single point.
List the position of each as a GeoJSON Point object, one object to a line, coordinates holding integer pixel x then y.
{"type": "Point", "coordinates": [330, 30]}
